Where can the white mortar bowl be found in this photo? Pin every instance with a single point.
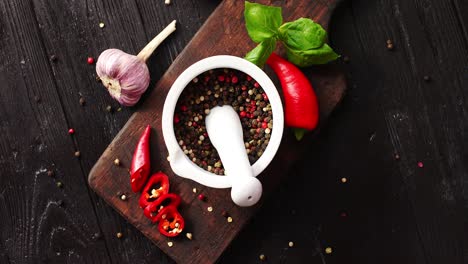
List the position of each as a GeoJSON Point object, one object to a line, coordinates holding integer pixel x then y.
{"type": "Point", "coordinates": [180, 163]}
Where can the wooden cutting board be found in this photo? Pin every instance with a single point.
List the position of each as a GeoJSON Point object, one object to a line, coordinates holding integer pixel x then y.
{"type": "Point", "coordinates": [223, 33]}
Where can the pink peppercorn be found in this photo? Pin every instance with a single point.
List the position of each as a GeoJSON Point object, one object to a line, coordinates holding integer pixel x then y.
{"type": "Point", "coordinates": [265, 96]}
{"type": "Point", "coordinates": [194, 124]}
{"type": "Point", "coordinates": [420, 164]}
{"type": "Point", "coordinates": [256, 85]}
{"type": "Point", "coordinates": [243, 114]}
{"type": "Point", "coordinates": [90, 60]}
{"type": "Point", "coordinates": [71, 131]}
{"type": "Point", "coordinates": [234, 79]}
{"type": "Point", "coordinates": [243, 88]}
{"type": "Point", "coordinates": [183, 108]}
{"type": "Point", "coordinates": [249, 78]}
{"type": "Point", "coordinates": [221, 78]}
{"type": "Point", "coordinates": [201, 197]}
{"type": "Point", "coordinates": [264, 125]}
{"type": "Point", "coordinates": [176, 119]}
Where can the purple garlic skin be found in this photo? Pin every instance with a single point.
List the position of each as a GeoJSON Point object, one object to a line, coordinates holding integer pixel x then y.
{"type": "Point", "coordinates": [125, 76]}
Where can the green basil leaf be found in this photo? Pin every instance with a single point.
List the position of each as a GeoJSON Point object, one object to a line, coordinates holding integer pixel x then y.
{"type": "Point", "coordinates": [305, 58]}
{"type": "Point", "coordinates": [303, 34]}
{"type": "Point", "coordinates": [260, 54]}
{"type": "Point", "coordinates": [262, 22]}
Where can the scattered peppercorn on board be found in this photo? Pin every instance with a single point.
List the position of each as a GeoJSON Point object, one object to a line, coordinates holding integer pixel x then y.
{"type": "Point", "coordinates": [214, 221]}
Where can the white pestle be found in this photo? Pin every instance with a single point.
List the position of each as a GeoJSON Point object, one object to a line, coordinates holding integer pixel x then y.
{"type": "Point", "coordinates": [225, 132]}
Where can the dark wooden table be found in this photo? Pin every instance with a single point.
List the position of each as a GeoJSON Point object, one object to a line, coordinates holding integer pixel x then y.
{"type": "Point", "coordinates": [389, 210]}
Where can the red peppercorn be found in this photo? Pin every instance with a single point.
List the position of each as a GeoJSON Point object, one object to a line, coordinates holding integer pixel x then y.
{"type": "Point", "coordinates": [243, 114]}
{"type": "Point", "coordinates": [201, 197]}
{"type": "Point", "coordinates": [234, 79]}
{"type": "Point", "coordinates": [256, 85]}
{"type": "Point", "coordinates": [207, 78]}
{"type": "Point", "coordinates": [243, 88]}
{"type": "Point", "coordinates": [90, 60]}
{"type": "Point", "coordinates": [176, 119]}
{"type": "Point", "coordinates": [183, 108]}
{"type": "Point", "coordinates": [205, 135]}
{"type": "Point", "coordinates": [264, 125]}
{"type": "Point", "coordinates": [221, 78]}
{"type": "Point", "coordinates": [420, 164]}
{"type": "Point", "coordinates": [194, 124]}
{"type": "Point", "coordinates": [249, 78]}
{"type": "Point", "coordinates": [265, 96]}
{"type": "Point", "coordinates": [258, 130]}
{"type": "Point", "coordinates": [71, 131]}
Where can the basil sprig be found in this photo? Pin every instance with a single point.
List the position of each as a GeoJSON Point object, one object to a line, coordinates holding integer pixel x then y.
{"type": "Point", "coordinates": [303, 38]}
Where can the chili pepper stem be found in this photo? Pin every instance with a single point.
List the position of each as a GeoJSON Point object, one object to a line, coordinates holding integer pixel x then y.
{"type": "Point", "coordinates": [146, 52]}
{"type": "Point", "coordinates": [299, 133]}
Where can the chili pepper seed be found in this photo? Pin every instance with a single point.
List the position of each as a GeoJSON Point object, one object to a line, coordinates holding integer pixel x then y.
{"type": "Point", "coordinates": [119, 235]}
{"type": "Point", "coordinates": [170, 243]}
{"type": "Point", "coordinates": [123, 197]}
{"type": "Point", "coordinates": [291, 244]}
{"type": "Point", "coordinates": [210, 209]}
{"type": "Point", "coordinates": [117, 162]}
{"type": "Point", "coordinates": [328, 250]}
{"type": "Point", "coordinates": [262, 257]}
{"type": "Point", "coordinates": [90, 60]}
{"type": "Point", "coordinates": [189, 236]}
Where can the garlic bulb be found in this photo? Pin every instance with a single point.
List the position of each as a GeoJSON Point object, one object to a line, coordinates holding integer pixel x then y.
{"type": "Point", "coordinates": [126, 76]}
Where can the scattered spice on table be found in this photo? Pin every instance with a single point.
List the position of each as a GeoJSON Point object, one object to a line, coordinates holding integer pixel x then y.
{"type": "Point", "coordinates": [427, 78]}
{"type": "Point", "coordinates": [390, 45]}
{"type": "Point", "coordinates": [90, 60]}
{"type": "Point", "coordinates": [328, 250]}
{"type": "Point", "coordinates": [117, 162]}
{"type": "Point", "coordinates": [71, 131]}
{"type": "Point", "coordinates": [59, 184]}
{"type": "Point", "coordinates": [82, 101]}
{"type": "Point", "coordinates": [119, 109]}
{"type": "Point", "coordinates": [194, 190]}
{"type": "Point", "coordinates": [77, 154]}
{"type": "Point", "coordinates": [97, 235]}
{"type": "Point", "coordinates": [291, 244]}
{"type": "Point", "coordinates": [344, 180]}
{"type": "Point", "coordinates": [53, 58]}
{"type": "Point", "coordinates": [109, 108]}
{"type": "Point", "coordinates": [189, 236]}
{"type": "Point", "coordinates": [50, 173]}
{"type": "Point", "coordinates": [170, 243]}
{"type": "Point", "coordinates": [167, 2]}
{"type": "Point", "coordinates": [420, 164]}
{"type": "Point", "coordinates": [102, 25]}
{"type": "Point", "coordinates": [216, 88]}
{"type": "Point", "coordinates": [123, 197]}
{"type": "Point", "coordinates": [210, 209]}
{"type": "Point", "coordinates": [262, 257]}
{"type": "Point", "coordinates": [397, 156]}
{"type": "Point", "coordinates": [229, 219]}
{"type": "Point", "coordinates": [119, 235]}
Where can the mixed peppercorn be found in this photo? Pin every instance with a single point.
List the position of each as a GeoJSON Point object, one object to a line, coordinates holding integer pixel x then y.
{"type": "Point", "coordinates": [216, 88]}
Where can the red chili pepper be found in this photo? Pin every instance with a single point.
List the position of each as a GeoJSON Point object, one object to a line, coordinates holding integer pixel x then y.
{"type": "Point", "coordinates": [153, 210]}
{"type": "Point", "coordinates": [140, 167]}
{"type": "Point", "coordinates": [171, 223]}
{"type": "Point", "coordinates": [301, 105]}
{"type": "Point", "coordinates": [157, 186]}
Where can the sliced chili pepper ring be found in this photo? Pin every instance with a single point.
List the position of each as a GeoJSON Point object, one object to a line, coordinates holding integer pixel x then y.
{"type": "Point", "coordinates": [157, 185]}
{"type": "Point", "coordinates": [171, 223]}
{"type": "Point", "coordinates": [153, 210]}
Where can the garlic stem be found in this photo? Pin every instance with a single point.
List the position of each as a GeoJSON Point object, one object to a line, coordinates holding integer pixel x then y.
{"type": "Point", "coordinates": [146, 52]}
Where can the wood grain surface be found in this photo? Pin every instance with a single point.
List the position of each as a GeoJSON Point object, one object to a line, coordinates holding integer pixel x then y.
{"type": "Point", "coordinates": [396, 212]}
{"type": "Point", "coordinates": [223, 33]}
